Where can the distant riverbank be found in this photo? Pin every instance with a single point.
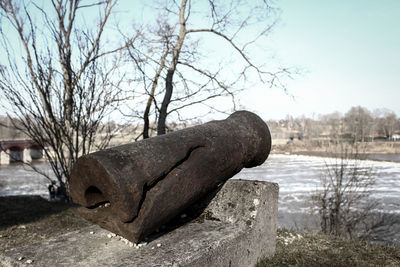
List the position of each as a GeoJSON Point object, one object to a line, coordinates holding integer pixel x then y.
{"type": "Point", "coordinates": [394, 157]}
{"type": "Point", "coordinates": [376, 151]}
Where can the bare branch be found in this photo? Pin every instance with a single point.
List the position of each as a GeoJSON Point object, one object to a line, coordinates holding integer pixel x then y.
{"type": "Point", "coordinates": [67, 85]}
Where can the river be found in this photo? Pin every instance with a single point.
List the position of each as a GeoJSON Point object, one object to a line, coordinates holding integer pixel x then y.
{"type": "Point", "coordinates": [298, 178]}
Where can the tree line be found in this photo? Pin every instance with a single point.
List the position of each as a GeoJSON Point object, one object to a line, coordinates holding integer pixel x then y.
{"type": "Point", "coordinates": [357, 124]}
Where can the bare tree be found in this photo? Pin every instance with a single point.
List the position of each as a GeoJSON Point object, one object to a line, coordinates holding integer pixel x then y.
{"type": "Point", "coordinates": [8, 130]}
{"type": "Point", "coordinates": [344, 200]}
{"type": "Point", "coordinates": [56, 78]}
{"type": "Point", "coordinates": [180, 69]}
{"type": "Point", "coordinates": [385, 122]}
{"type": "Point", "coordinates": [358, 121]}
{"type": "Point", "coordinates": [333, 122]}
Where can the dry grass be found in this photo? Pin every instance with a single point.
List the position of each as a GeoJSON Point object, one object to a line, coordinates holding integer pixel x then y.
{"type": "Point", "coordinates": [320, 250]}
{"type": "Point", "coordinates": [315, 147]}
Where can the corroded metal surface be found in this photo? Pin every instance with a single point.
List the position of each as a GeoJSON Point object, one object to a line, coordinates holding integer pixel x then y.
{"type": "Point", "coordinates": [133, 189]}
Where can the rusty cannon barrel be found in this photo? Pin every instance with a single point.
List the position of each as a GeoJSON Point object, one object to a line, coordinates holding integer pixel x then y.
{"type": "Point", "coordinates": [142, 185]}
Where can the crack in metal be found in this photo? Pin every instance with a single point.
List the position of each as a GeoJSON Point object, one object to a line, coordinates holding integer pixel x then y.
{"type": "Point", "coordinates": [147, 188]}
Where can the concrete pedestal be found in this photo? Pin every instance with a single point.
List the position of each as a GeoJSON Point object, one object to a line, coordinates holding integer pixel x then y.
{"type": "Point", "coordinates": [237, 228]}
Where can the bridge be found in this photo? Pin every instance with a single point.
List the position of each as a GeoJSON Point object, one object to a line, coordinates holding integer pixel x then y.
{"type": "Point", "coordinates": [20, 151]}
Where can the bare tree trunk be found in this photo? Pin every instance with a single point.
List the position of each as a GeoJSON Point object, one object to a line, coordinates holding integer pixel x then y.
{"type": "Point", "coordinates": [170, 75]}
{"type": "Point", "coordinates": [146, 114]}
{"type": "Point", "coordinates": [167, 99]}
{"type": "Point", "coordinates": [146, 124]}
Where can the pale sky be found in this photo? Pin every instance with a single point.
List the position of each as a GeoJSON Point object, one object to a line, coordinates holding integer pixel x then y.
{"type": "Point", "coordinates": [349, 51]}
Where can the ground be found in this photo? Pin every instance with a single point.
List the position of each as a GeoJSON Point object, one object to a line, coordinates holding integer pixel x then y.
{"type": "Point", "coordinates": [320, 250]}
{"type": "Point", "coordinates": [25, 220]}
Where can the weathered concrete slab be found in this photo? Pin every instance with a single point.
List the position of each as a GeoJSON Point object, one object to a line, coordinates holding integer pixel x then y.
{"type": "Point", "coordinates": [236, 228]}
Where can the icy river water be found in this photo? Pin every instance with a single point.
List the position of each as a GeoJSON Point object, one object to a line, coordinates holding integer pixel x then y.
{"type": "Point", "coordinates": [298, 178]}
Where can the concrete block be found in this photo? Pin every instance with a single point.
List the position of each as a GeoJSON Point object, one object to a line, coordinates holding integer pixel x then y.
{"type": "Point", "coordinates": [237, 227]}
